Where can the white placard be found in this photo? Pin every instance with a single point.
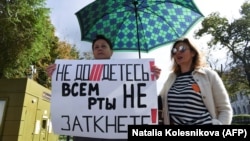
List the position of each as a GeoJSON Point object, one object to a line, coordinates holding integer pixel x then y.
{"type": "Point", "coordinates": [99, 98]}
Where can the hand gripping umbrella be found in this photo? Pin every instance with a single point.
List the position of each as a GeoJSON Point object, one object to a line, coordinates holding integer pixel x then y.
{"type": "Point", "coordinates": [137, 25]}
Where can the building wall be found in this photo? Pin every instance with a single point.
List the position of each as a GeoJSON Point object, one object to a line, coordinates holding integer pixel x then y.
{"type": "Point", "coordinates": [242, 104]}
{"type": "Point", "coordinates": [26, 115]}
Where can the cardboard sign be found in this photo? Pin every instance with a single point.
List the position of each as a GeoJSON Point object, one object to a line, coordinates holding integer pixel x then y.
{"type": "Point", "coordinates": [100, 98]}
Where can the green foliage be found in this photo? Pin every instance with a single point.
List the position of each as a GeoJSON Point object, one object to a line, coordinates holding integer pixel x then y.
{"type": "Point", "coordinates": [23, 32]}
{"type": "Point", "coordinates": [234, 37]}
{"type": "Point", "coordinates": [234, 82]}
{"type": "Point", "coordinates": [241, 119]}
{"type": "Point", "coordinates": [65, 138]}
{"type": "Point", "coordinates": [58, 50]}
{"type": "Point", "coordinates": [27, 38]}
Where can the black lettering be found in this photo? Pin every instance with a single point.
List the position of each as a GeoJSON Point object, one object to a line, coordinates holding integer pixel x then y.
{"type": "Point", "coordinates": [67, 123]}
{"type": "Point", "coordinates": [82, 72]}
{"type": "Point", "coordinates": [101, 101]}
{"type": "Point", "coordinates": [87, 122]}
{"type": "Point", "coordinates": [76, 123]}
{"type": "Point", "coordinates": [127, 96]}
{"type": "Point", "coordinates": [65, 89]}
{"type": "Point", "coordinates": [96, 124]}
{"type": "Point", "coordinates": [105, 72]}
{"type": "Point", "coordinates": [128, 73]}
{"type": "Point", "coordinates": [120, 125]}
{"type": "Point", "coordinates": [110, 124]}
{"type": "Point", "coordinates": [145, 75]}
{"type": "Point", "coordinates": [63, 72]}
{"type": "Point", "coordinates": [121, 70]}
{"type": "Point", "coordinates": [79, 89]}
{"type": "Point", "coordinates": [140, 95]}
{"type": "Point", "coordinates": [105, 124]}
{"type": "Point", "coordinates": [134, 117]}
{"type": "Point", "coordinates": [135, 74]}
{"type": "Point", "coordinates": [109, 105]}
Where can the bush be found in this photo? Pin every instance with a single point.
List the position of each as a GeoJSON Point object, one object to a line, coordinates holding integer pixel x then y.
{"type": "Point", "coordinates": [243, 119]}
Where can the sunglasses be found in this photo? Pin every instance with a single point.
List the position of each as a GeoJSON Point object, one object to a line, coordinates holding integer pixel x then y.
{"type": "Point", "coordinates": [180, 49]}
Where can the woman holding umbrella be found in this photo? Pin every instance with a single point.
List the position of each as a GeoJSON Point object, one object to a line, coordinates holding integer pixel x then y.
{"type": "Point", "coordinates": [102, 49]}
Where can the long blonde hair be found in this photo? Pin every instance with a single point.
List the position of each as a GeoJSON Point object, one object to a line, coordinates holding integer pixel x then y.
{"type": "Point", "coordinates": [198, 59]}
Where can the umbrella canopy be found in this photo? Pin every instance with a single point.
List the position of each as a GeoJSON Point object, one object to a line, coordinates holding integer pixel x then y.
{"type": "Point", "coordinates": [137, 25]}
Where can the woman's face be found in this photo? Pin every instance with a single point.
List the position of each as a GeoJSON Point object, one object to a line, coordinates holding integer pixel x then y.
{"type": "Point", "coordinates": [182, 54]}
{"type": "Point", "coordinates": [102, 50]}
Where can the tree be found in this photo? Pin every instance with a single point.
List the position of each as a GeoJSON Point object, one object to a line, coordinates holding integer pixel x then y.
{"type": "Point", "coordinates": [27, 37]}
{"type": "Point", "coordinates": [234, 37]}
{"type": "Point", "coordinates": [58, 50]}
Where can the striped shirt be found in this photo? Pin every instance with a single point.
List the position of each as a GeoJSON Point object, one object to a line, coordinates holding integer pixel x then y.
{"type": "Point", "coordinates": [186, 106]}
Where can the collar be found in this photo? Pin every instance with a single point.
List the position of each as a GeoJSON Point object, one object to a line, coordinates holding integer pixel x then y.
{"type": "Point", "coordinates": [201, 70]}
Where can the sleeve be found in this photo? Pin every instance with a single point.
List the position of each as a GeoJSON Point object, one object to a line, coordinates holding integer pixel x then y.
{"type": "Point", "coordinates": [221, 99]}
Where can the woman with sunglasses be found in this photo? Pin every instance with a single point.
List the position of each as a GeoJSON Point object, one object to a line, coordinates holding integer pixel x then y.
{"type": "Point", "coordinates": [193, 94]}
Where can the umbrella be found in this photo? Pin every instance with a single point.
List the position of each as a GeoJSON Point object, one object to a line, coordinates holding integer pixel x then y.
{"type": "Point", "coordinates": [138, 25]}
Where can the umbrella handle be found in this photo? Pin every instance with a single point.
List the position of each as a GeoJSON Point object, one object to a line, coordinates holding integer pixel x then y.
{"type": "Point", "coordinates": [135, 2]}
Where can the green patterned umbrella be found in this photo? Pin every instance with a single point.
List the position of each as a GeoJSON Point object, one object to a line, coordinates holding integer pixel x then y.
{"type": "Point", "coordinates": [138, 25]}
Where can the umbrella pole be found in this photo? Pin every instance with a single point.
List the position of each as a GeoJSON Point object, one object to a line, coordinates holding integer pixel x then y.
{"type": "Point", "coordinates": [137, 30]}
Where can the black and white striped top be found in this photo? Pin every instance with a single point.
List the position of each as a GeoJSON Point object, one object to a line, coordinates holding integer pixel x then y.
{"type": "Point", "coordinates": [185, 102]}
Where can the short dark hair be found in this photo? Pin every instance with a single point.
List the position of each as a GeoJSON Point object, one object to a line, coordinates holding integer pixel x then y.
{"type": "Point", "coordinates": [98, 37]}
